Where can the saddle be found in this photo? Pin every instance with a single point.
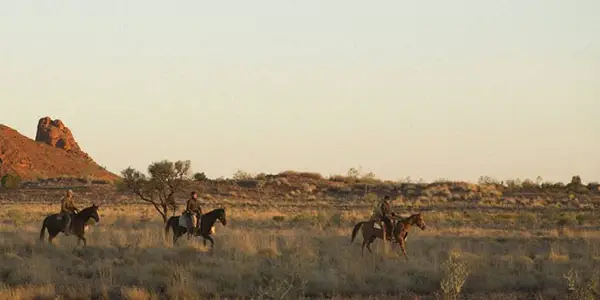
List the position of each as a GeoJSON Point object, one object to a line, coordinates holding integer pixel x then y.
{"type": "Point", "coordinates": [60, 216]}
{"type": "Point", "coordinates": [186, 218]}
{"type": "Point", "coordinates": [379, 224]}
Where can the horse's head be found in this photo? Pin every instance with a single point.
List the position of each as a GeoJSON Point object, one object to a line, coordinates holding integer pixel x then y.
{"type": "Point", "coordinates": [91, 212]}
{"type": "Point", "coordinates": [418, 220]}
{"type": "Point", "coordinates": [222, 216]}
{"type": "Point", "coordinates": [95, 212]}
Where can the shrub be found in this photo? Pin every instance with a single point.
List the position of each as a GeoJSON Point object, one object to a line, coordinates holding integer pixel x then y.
{"type": "Point", "coordinates": [200, 176]}
{"type": "Point", "coordinates": [242, 175]}
{"type": "Point", "coordinates": [371, 198]}
{"type": "Point", "coordinates": [11, 181]}
{"type": "Point", "coordinates": [454, 277]}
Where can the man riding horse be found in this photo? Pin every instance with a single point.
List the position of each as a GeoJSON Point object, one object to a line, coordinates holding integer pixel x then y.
{"type": "Point", "coordinates": [193, 211]}
{"type": "Point", "coordinates": [67, 208]}
{"type": "Point", "coordinates": [383, 213]}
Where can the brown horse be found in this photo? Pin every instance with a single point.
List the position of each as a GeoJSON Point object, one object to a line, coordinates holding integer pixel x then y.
{"type": "Point", "coordinates": [55, 224]}
{"type": "Point", "coordinates": [400, 232]}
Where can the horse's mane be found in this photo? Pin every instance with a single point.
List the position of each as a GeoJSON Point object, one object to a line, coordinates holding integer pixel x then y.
{"type": "Point", "coordinates": [401, 219]}
{"type": "Point", "coordinates": [216, 210]}
{"type": "Point", "coordinates": [87, 209]}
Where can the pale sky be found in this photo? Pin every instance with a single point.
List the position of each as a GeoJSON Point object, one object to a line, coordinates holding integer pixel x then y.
{"type": "Point", "coordinates": [426, 89]}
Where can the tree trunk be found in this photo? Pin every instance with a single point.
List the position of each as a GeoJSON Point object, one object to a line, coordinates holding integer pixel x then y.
{"type": "Point", "coordinates": [165, 213]}
{"type": "Point", "coordinates": [161, 208]}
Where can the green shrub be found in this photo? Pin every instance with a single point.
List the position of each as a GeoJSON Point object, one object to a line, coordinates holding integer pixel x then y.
{"type": "Point", "coordinates": [200, 176]}
{"type": "Point", "coordinates": [11, 181]}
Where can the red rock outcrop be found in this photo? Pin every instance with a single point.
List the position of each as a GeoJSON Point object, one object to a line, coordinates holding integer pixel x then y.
{"type": "Point", "coordinates": [56, 134]}
{"type": "Point", "coordinates": [53, 153]}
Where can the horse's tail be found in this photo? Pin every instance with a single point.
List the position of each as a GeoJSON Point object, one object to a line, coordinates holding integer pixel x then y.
{"type": "Point", "coordinates": [43, 229]}
{"type": "Point", "coordinates": [355, 230]}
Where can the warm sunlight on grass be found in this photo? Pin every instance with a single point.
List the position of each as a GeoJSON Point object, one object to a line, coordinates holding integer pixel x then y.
{"type": "Point", "coordinates": [288, 253]}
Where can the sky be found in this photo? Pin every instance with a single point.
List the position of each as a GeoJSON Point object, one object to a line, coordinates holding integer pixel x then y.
{"type": "Point", "coordinates": [421, 89]}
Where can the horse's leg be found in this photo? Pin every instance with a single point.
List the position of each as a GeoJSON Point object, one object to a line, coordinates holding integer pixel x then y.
{"type": "Point", "coordinates": [367, 232]}
{"type": "Point", "coordinates": [78, 233]}
{"type": "Point", "coordinates": [212, 243]}
{"type": "Point", "coordinates": [402, 245]}
{"type": "Point", "coordinates": [366, 244]}
{"type": "Point", "coordinates": [369, 244]}
{"type": "Point", "coordinates": [362, 247]}
{"type": "Point", "coordinates": [176, 234]}
{"type": "Point", "coordinates": [51, 237]}
{"type": "Point", "coordinates": [80, 237]}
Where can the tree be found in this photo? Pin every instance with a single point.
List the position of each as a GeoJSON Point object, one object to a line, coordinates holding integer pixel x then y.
{"type": "Point", "coordinates": [166, 179]}
{"type": "Point", "coordinates": [354, 173]}
{"type": "Point", "coordinates": [242, 175]}
{"type": "Point", "coordinates": [200, 176]}
{"type": "Point", "coordinates": [576, 185]}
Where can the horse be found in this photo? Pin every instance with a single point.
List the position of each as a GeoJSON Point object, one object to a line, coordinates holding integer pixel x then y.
{"type": "Point", "coordinates": [56, 223]}
{"type": "Point", "coordinates": [400, 232]}
{"type": "Point", "coordinates": [182, 226]}
{"type": "Point", "coordinates": [207, 222]}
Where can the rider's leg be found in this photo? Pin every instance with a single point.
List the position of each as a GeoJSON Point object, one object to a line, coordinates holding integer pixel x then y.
{"type": "Point", "coordinates": [388, 229]}
{"type": "Point", "coordinates": [67, 217]}
{"type": "Point", "coordinates": [195, 221]}
{"type": "Point", "coordinates": [190, 222]}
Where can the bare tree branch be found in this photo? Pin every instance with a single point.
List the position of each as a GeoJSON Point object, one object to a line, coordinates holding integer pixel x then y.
{"type": "Point", "coordinates": [166, 179]}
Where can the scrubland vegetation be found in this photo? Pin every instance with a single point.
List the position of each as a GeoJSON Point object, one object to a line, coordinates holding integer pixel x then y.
{"type": "Point", "coordinates": [273, 252]}
{"type": "Point", "coordinates": [288, 237]}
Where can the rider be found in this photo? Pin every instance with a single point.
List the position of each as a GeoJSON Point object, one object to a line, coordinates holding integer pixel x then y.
{"type": "Point", "coordinates": [67, 207]}
{"type": "Point", "coordinates": [383, 213]}
{"type": "Point", "coordinates": [192, 208]}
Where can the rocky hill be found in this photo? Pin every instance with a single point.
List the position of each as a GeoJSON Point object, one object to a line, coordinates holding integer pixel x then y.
{"type": "Point", "coordinates": [53, 154]}
{"type": "Point", "coordinates": [54, 161]}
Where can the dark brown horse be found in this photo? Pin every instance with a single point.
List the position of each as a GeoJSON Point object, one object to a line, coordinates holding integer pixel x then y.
{"type": "Point", "coordinates": [56, 223]}
{"type": "Point", "coordinates": [400, 232]}
{"type": "Point", "coordinates": [207, 221]}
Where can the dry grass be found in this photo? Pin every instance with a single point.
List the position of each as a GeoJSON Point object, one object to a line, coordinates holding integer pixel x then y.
{"type": "Point", "coordinates": [288, 252]}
